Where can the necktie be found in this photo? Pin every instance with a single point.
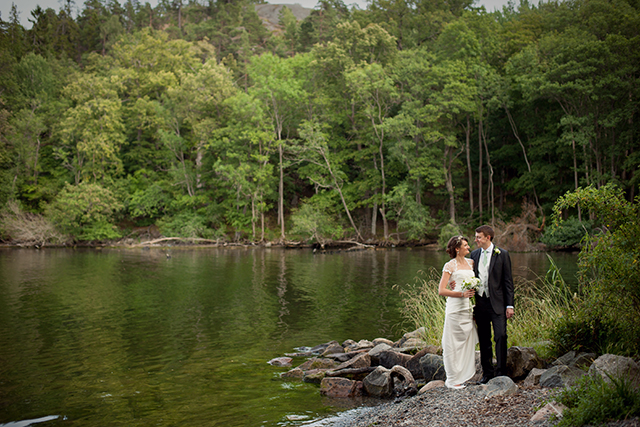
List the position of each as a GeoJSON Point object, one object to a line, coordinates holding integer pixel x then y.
{"type": "Point", "coordinates": [485, 253]}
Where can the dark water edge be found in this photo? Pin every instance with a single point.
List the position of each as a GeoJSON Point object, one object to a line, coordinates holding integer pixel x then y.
{"type": "Point", "coordinates": [136, 337]}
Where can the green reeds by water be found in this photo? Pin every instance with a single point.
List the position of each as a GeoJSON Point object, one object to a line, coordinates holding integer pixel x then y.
{"type": "Point", "coordinates": [539, 304]}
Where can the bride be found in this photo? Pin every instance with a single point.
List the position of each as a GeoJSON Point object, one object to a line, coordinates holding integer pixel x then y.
{"type": "Point", "coordinates": [459, 336]}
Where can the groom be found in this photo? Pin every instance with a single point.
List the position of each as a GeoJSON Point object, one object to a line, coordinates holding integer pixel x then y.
{"type": "Point", "coordinates": [494, 301]}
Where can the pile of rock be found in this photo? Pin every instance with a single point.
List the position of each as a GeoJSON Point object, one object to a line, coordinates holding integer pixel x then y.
{"type": "Point", "coordinates": [380, 368]}
{"type": "Point", "coordinates": [386, 369]}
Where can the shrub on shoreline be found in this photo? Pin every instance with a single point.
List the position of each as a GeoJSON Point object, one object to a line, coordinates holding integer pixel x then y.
{"type": "Point", "coordinates": [593, 401]}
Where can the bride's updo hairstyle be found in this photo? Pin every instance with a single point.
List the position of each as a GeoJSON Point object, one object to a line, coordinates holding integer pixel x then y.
{"type": "Point", "coordinates": [454, 243]}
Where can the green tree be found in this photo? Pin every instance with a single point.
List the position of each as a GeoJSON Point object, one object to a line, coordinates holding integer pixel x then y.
{"type": "Point", "coordinates": [276, 85]}
{"type": "Point", "coordinates": [92, 130]}
{"type": "Point", "coordinates": [608, 273]}
{"type": "Point", "coordinates": [85, 211]}
{"type": "Point", "coordinates": [324, 168]}
{"type": "Point", "coordinates": [375, 96]}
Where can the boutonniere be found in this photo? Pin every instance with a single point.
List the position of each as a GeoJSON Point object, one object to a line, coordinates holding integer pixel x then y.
{"type": "Point", "coordinates": [496, 251]}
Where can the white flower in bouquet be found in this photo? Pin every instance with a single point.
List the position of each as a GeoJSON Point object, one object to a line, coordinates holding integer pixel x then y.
{"type": "Point", "coordinates": [471, 283]}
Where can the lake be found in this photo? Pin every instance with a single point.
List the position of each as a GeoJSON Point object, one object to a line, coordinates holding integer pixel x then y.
{"type": "Point", "coordinates": [182, 336]}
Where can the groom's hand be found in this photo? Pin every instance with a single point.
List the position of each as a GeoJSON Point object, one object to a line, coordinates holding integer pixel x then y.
{"type": "Point", "coordinates": [452, 285]}
{"type": "Point", "coordinates": [510, 312]}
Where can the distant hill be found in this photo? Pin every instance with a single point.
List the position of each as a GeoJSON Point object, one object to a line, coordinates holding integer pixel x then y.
{"type": "Point", "coordinates": [269, 13]}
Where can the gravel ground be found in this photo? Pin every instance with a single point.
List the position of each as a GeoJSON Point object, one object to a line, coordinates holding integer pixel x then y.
{"type": "Point", "coordinates": [444, 407]}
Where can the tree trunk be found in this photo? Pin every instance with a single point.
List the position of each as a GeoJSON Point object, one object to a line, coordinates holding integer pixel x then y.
{"type": "Point", "coordinates": [448, 161]}
{"type": "Point", "coordinates": [468, 152]}
{"type": "Point", "coordinates": [524, 152]}
{"type": "Point", "coordinates": [480, 164]}
{"type": "Point", "coordinates": [281, 194]}
{"type": "Point", "coordinates": [344, 202]}
{"type": "Point", "coordinates": [490, 190]}
{"type": "Point", "coordinates": [575, 170]}
{"type": "Point", "coordinates": [374, 219]}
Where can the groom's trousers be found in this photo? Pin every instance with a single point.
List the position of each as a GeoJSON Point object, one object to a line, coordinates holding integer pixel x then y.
{"type": "Point", "coordinates": [485, 318]}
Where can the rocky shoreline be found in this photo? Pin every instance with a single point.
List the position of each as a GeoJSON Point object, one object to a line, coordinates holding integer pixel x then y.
{"type": "Point", "coordinates": [407, 376]}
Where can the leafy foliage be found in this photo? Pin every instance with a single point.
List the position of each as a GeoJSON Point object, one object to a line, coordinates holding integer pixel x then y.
{"type": "Point", "coordinates": [316, 220]}
{"type": "Point", "coordinates": [594, 401]}
{"type": "Point", "coordinates": [403, 113]}
{"type": "Point", "coordinates": [608, 273]}
{"type": "Point", "coordinates": [568, 234]}
{"type": "Point", "coordinates": [85, 211]}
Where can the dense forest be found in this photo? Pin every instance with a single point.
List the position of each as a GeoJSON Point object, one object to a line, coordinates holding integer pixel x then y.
{"type": "Point", "coordinates": [399, 122]}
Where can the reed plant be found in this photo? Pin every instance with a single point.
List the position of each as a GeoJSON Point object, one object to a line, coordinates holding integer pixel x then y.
{"type": "Point", "coordinates": [540, 304]}
{"type": "Point", "coordinates": [423, 307]}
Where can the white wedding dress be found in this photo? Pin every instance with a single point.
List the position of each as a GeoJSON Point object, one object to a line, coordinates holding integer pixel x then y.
{"type": "Point", "coordinates": [459, 336]}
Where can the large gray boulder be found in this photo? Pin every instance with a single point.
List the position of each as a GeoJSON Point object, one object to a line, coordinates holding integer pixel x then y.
{"type": "Point", "coordinates": [280, 361]}
{"type": "Point", "coordinates": [378, 383]}
{"type": "Point", "coordinates": [551, 409]}
{"type": "Point", "coordinates": [500, 386]}
{"type": "Point", "coordinates": [533, 378]}
{"type": "Point", "coordinates": [521, 360]}
{"type": "Point", "coordinates": [318, 363]}
{"type": "Point", "coordinates": [572, 358]}
{"type": "Point", "coordinates": [385, 383]}
{"type": "Point", "coordinates": [314, 376]}
{"type": "Point", "coordinates": [403, 382]}
{"type": "Point", "coordinates": [340, 387]}
{"type": "Point", "coordinates": [377, 350]}
{"type": "Point", "coordinates": [412, 345]}
{"type": "Point", "coordinates": [391, 358]}
{"type": "Point", "coordinates": [417, 334]}
{"type": "Point", "coordinates": [333, 348]}
{"type": "Point", "coordinates": [362, 360]}
{"type": "Point", "coordinates": [609, 365]}
{"type": "Point", "coordinates": [382, 341]}
{"type": "Point", "coordinates": [432, 367]}
{"type": "Point", "coordinates": [342, 357]}
{"type": "Point", "coordinates": [360, 345]}
{"type": "Point", "coordinates": [413, 364]}
{"type": "Point", "coordinates": [320, 348]}
{"type": "Point", "coordinates": [296, 373]}
{"type": "Point", "coordinates": [560, 376]}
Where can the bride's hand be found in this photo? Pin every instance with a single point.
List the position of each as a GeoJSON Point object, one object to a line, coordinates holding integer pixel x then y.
{"type": "Point", "coordinates": [468, 293]}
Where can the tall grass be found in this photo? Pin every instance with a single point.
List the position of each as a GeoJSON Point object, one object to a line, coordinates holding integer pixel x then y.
{"type": "Point", "coordinates": [423, 307]}
{"type": "Point", "coordinates": [539, 304]}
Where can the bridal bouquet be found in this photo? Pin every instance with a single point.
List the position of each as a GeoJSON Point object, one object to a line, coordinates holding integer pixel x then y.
{"type": "Point", "coordinates": [471, 283]}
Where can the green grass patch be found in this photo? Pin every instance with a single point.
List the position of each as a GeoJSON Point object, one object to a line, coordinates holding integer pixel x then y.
{"type": "Point", "coordinates": [594, 401]}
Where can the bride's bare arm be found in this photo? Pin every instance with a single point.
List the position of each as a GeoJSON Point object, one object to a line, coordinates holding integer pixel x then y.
{"type": "Point", "coordinates": [445, 292]}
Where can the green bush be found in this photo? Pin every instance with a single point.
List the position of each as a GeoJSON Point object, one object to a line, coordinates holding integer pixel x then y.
{"type": "Point", "coordinates": [85, 211]}
{"type": "Point", "coordinates": [568, 234]}
{"type": "Point", "coordinates": [186, 224]}
{"type": "Point", "coordinates": [587, 330]}
{"type": "Point", "coordinates": [594, 401]}
{"type": "Point", "coordinates": [412, 218]}
{"type": "Point", "coordinates": [316, 219]}
{"type": "Point", "coordinates": [609, 277]}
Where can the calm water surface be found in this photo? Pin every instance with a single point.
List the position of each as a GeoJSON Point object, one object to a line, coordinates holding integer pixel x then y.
{"type": "Point", "coordinates": [131, 337]}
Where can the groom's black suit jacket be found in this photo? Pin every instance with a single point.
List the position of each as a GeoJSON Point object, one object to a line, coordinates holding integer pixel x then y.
{"type": "Point", "coordinates": [500, 280]}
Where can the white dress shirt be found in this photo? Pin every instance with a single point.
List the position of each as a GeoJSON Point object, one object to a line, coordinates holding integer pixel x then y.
{"type": "Point", "coordinates": [483, 270]}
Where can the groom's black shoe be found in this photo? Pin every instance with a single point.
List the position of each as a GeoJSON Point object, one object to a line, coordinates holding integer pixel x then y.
{"type": "Point", "coordinates": [485, 379]}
